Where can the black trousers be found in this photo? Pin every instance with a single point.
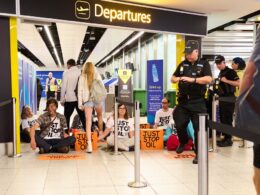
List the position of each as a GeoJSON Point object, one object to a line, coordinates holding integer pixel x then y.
{"type": "Point", "coordinates": [69, 109]}
{"type": "Point", "coordinates": [257, 156]}
{"type": "Point", "coordinates": [184, 112]}
{"type": "Point", "coordinates": [226, 111]}
{"type": "Point", "coordinates": [46, 144]}
{"type": "Point", "coordinates": [38, 101]}
{"type": "Point", "coordinates": [50, 94]}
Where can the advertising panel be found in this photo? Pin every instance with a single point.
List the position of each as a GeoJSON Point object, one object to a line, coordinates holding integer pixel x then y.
{"type": "Point", "coordinates": [154, 88]}
{"type": "Point", "coordinates": [43, 75]}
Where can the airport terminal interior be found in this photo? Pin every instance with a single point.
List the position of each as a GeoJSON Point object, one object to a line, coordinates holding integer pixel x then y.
{"type": "Point", "coordinates": [137, 49]}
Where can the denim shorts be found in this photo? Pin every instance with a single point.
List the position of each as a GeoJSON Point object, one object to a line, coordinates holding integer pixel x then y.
{"type": "Point", "coordinates": [90, 104]}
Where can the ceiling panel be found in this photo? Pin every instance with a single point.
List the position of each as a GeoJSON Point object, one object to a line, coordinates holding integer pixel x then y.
{"type": "Point", "coordinates": [31, 39]}
{"type": "Point", "coordinates": [71, 39]}
{"type": "Point", "coordinates": [111, 39]}
{"type": "Point", "coordinates": [219, 11]}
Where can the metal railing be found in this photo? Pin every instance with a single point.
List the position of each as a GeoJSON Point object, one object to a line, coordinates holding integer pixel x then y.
{"type": "Point", "coordinates": [14, 150]}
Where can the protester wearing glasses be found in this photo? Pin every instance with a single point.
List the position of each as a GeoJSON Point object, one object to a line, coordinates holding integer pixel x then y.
{"type": "Point", "coordinates": [125, 127]}
{"type": "Point", "coordinates": [164, 120]}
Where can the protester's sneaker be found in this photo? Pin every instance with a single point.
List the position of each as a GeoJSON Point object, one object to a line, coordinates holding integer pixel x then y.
{"type": "Point", "coordinates": [41, 151]}
{"type": "Point", "coordinates": [64, 149]}
{"type": "Point", "coordinates": [89, 147]}
{"type": "Point", "coordinates": [225, 143]}
{"type": "Point", "coordinates": [180, 148]}
{"type": "Point", "coordinates": [195, 160]}
{"type": "Point", "coordinates": [131, 148]}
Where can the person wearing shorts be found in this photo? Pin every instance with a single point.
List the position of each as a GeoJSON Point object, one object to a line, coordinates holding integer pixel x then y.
{"type": "Point", "coordinates": [89, 74]}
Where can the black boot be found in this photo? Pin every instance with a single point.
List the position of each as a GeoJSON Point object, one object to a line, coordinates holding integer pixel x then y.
{"type": "Point", "coordinates": [180, 148]}
{"type": "Point", "coordinates": [195, 160]}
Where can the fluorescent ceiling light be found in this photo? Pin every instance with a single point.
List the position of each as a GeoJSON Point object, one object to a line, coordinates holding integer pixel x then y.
{"type": "Point", "coordinates": [92, 38]}
{"type": "Point", "coordinates": [52, 43]}
{"type": "Point", "coordinates": [240, 27]}
{"type": "Point", "coordinates": [134, 38]}
{"type": "Point", "coordinates": [115, 52]}
{"type": "Point", "coordinates": [139, 34]}
{"type": "Point", "coordinates": [254, 19]}
{"type": "Point", "coordinates": [105, 59]}
{"type": "Point", "coordinates": [49, 35]}
{"type": "Point", "coordinates": [57, 56]}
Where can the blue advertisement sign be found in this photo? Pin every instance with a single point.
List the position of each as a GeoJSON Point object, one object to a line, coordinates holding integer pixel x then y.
{"type": "Point", "coordinates": [43, 75]}
{"type": "Point", "coordinates": [27, 85]}
{"type": "Point", "coordinates": [154, 88]}
{"type": "Point", "coordinates": [21, 88]}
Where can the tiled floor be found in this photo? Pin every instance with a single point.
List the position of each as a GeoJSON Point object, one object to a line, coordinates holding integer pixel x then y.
{"type": "Point", "coordinates": [102, 173]}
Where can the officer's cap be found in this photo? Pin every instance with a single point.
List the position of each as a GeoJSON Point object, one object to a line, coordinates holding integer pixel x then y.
{"type": "Point", "coordinates": [219, 59]}
{"type": "Point", "coordinates": [240, 62]}
{"type": "Point", "coordinates": [191, 45]}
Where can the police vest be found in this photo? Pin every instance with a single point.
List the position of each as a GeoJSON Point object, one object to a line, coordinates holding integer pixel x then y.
{"type": "Point", "coordinates": [193, 71]}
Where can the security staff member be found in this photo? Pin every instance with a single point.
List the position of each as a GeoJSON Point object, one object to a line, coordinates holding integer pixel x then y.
{"type": "Point", "coordinates": [228, 81]}
{"type": "Point", "coordinates": [51, 86]}
{"type": "Point", "coordinates": [192, 76]}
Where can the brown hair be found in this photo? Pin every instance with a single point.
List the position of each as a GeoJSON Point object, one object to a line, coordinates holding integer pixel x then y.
{"type": "Point", "coordinates": [23, 114]}
{"type": "Point", "coordinates": [52, 101]}
{"type": "Point", "coordinates": [88, 72]}
{"type": "Point", "coordinates": [126, 112]}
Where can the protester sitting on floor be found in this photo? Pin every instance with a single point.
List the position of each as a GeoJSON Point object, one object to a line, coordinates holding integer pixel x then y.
{"type": "Point", "coordinates": [164, 120]}
{"type": "Point", "coordinates": [125, 130]}
{"type": "Point", "coordinates": [28, 120]}
{"type": "Point", "coordinates": [52, 136]}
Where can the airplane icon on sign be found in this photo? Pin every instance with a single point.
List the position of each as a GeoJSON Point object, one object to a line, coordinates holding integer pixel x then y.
{"type": "Point", "coordinates": [82, 9]}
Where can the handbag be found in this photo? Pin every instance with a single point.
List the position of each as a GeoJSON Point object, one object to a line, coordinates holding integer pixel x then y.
{"type": "Point", "coordinates": [98, 92]}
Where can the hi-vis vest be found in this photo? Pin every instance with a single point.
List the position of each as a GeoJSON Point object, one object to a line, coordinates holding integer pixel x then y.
{"type": "Point", "coordinates": [50, 84]}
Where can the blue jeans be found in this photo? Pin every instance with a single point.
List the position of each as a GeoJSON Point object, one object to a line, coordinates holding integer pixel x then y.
{"type": "Point", "coordinates": [46, 144]}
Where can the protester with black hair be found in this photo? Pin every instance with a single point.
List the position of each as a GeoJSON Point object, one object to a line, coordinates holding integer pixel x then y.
{"type": "Point", "coordinates": [52, 136]}
{"type": "Point", "coordinates": [69, 92]}
{"type": "Point", "coordinates": [238, 64]}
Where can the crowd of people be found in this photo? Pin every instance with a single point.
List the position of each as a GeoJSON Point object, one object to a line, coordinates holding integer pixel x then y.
{"type": "Point", "coordinates": [85, 92]}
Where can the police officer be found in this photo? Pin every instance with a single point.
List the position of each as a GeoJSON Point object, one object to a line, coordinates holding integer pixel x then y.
{"type": "Point", "coordinates": [192, 76]}
{"type": "Point", "coordinates": [228, 81]}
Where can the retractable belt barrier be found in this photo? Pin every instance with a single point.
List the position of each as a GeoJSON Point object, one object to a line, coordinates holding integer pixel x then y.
{"type": "Point", "coordinates": [230, 99]}
{"type": "Point", "coordinates": [4, 103]}
{"type": "Point", "coordinates": [14, 151]}
{"type": "Point", "coordinates": [241, 132]}
{"type": "Point", "coordinates": [137, 182]}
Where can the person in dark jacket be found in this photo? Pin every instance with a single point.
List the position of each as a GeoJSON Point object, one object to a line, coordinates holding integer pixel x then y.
{"type": "Point", "coordinates": [39, 92]}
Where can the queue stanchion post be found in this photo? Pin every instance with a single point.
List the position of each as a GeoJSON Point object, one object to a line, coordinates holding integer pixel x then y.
{"type": "Point", "coordinates": [116, 130]}
{"type": "Point", "coordinates": [137, 183]}
{"type": "Point", "coordinates": [214, 118]}
{"type": "Point", "coordinates": [14, 154]}
{"type": "Point", "coordinates": [203, 155]}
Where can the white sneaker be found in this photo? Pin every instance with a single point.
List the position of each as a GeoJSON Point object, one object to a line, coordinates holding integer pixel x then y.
{"type": "Point", "coordinates": [89, 147]}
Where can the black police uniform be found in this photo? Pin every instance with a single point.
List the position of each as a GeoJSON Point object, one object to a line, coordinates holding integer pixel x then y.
{"type": "Point", "coordinates": [226, 109]}
{"type": "Point", "coordinates": [191, 98]}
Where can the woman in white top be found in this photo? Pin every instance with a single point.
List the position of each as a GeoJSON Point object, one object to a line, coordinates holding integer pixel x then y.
{"type": "Point", "coordinates": [125, 128]}
{"type": "Point", "coordinates": [28, 120]}
{"type": "Point", "coordinates": [89, 74]}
